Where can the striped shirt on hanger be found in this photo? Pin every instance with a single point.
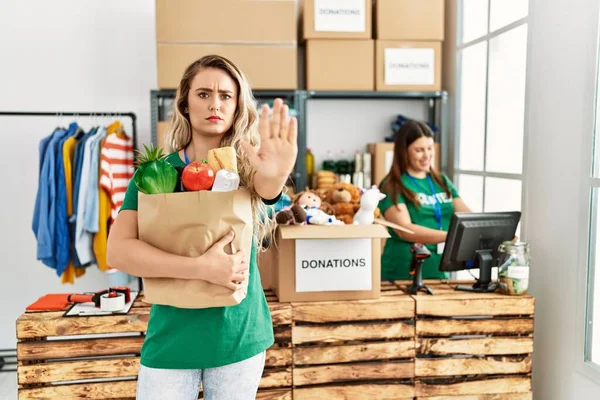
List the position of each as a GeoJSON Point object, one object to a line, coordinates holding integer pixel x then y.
{"type": "Point", "coordinates": [117, 169]}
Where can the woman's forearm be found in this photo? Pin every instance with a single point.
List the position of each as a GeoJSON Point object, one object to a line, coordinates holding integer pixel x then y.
{"type": "Point", "coordinates": [138, 258]}
{"type": "Point", "coordinates": [422, 235]}
{"type": "Point", "coordinates": [268, 188]}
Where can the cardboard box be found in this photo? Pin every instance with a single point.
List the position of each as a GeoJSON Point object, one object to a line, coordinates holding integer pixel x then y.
{"type": "Point", "coordinates": [321, 263]}
{"type": "Point", "coordinates": [267, 261]}
{"type": "Point", "coordinates": [382, 157]}
{"type": "Point", "coordinates": [239, 21]}
{"type": "Point", "coordinates": [410, 19]}
{"type": "Point", "coordinates": [161, 130]}
{"type": "Point", "coordinates": [267, 67]}
{"type": "Point", "coordinates": [408, 66]}
{"type": "Point", "coordinates": [340, 64]}
{"type": "Point", "coordinates": [337, 19]}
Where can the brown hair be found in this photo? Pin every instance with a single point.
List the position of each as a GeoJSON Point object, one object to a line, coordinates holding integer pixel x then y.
{"type": "Point", "coordinates": [245, 127]}
{"type": "Point", "coordinates": [392, 184]}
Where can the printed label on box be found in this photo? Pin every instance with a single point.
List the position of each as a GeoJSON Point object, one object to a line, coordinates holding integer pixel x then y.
{"type": "Point", "coordinates": [340, 16]}
{"type": "Point", "coordinates": [409, 66]}
{"type": "Point", "coordinates": [324, 265]}
{"type": "Point", "coordinates": [389, 160]}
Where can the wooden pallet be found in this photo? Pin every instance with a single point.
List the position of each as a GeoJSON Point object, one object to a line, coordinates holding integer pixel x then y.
{"type": "Point", "coordinates": [473, 345]}
{"type": "Point", "coordinates": [453, 345]}
{"type": "Point", "coordinates": [360, 349]}
{"type": "Point", "coordinates": [98, 357]}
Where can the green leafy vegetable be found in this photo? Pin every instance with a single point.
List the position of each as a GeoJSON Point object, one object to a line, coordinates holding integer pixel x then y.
{"type": "Point", "coordinates": [155, 174]}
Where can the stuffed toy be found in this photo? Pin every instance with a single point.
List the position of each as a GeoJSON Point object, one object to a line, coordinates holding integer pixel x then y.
{"type": "Point", "coordinates": [305, 208]}
{"type": "Point", "coordinates": [291, 215]}
{"type": "Point", "coordinates": [345, 200]}
{"type": "Point", "coordinates": [368, 206]}
{"type": "Point", "coordinates": [316, 216]}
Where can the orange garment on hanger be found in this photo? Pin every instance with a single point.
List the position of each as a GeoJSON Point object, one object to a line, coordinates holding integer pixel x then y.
{"type": "Point", "coordinates": [70, 273]}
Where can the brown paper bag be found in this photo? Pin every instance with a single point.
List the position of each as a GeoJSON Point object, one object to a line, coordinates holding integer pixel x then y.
{"type": "Point", "coordinates": [187, 224]}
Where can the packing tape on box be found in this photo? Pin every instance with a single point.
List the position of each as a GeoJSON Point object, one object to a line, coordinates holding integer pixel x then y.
{"type": "Point", "coordinates": [112, 303]}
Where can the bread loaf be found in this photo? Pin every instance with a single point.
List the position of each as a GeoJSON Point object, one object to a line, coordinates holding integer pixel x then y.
{"type": "Point", "coordinates": [223, 158]}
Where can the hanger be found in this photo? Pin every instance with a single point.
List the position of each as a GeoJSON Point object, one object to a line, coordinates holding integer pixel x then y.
{"type": "Point", "coordinates": [120, 129]}
{"type": "Point", "coordinates": [58, 120]}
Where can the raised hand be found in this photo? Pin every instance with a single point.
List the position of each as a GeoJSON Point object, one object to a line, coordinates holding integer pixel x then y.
{"type": "Point", "coordinates": [278, 148]}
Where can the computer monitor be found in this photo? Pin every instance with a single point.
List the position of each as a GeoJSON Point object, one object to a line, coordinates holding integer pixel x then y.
{"type": "Point", "coordinates": [472, 243]}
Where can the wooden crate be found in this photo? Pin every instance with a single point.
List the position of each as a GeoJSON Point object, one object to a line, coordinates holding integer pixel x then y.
{"type": "Point", "coordinates": [473, 345]}
{"type": "Point", "coordinates": [360, 349]}
{"type": "Point", "coordinates": [98, 357]}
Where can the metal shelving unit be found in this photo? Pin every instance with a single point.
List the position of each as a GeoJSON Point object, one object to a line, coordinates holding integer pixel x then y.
{"type": "Point", "coordinates": [436, 103]}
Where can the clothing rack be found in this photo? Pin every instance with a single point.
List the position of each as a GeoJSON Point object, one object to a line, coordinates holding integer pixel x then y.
{"type": "Point", "coordinates": [98, 114]}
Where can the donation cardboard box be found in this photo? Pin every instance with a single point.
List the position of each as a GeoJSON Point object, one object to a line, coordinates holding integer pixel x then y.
{"type": "Point", "coordinates": [337, 19]}
{"type": "Point", "coordinates": [409, 19]}
{"type": "Point", "coordinates": [340, 64]}
{"type": "Point", "coordinates": [321, 263]}
{"type": "Point", "coordinates": [266, 66]}
{"type": "Point", "coordinates": [408, 66]}
{"type": "Point", "coordinates": [267, 261]}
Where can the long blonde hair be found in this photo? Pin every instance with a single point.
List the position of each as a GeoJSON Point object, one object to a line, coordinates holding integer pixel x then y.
{"type": "Point", "coordinates": [244, 127]}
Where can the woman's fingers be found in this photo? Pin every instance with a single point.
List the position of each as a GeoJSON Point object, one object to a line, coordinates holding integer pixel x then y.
{"type": "Point", "coordinates": [293, 130]}
{"type": "Point", "coordinates": [276, 121]}
{"type": "Point", "coordinates": [238, 277]}
{"type": "Point", "coordinates": [285, 122]}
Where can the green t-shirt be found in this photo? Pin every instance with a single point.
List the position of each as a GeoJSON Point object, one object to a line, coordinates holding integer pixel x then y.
{"type": "Point", "coordinates": [179, 338]}
{"type": "Point", "coordinates": [396, 257]}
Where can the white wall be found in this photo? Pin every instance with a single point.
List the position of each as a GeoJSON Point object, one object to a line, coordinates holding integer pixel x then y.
{"type": "Point", "coordinates": [348, 125]}
{"type": "Point", "coordinates": [60, 55]}
{"type": "Point", "coordinates": [560, 101]}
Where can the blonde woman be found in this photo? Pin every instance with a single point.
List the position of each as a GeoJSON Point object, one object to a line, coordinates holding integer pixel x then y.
{"type": "Point", "coordinates": [222, 348]}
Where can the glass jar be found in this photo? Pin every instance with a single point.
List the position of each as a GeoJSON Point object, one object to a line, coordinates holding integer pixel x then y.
{"type": "Point", "coordinates": [513, 271]}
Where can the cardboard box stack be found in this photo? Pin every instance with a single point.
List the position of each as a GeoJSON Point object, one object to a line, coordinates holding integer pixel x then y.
{"type": "Point", "coordinates": [339, 46]}
{"type": "Point", "coordinates": [409, 35]}
{"type": "Point", "coordinates": [257, 35]}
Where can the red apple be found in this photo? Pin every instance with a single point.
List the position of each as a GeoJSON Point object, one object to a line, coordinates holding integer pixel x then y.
{"type": "Point", "coordinates": [197, 176]}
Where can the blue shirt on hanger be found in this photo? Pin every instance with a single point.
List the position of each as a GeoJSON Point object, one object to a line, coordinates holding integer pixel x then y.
{"type": "Point", "coordinates": [36, 211]}
{"type": "Point", "coordinates": [47, 211]}
{"type": "Point", "coordinates": [62, 242]}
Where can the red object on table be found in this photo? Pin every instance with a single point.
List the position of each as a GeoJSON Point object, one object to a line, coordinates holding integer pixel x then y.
{"type": "Point", "coordinates": [50, 302]}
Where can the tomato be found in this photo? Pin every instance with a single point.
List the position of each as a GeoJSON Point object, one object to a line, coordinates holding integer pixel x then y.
{"type": "Point", "coordinates": [197, 176]}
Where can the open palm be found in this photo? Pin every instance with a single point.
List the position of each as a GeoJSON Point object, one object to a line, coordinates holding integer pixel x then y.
{"type": "Point", "coordinates": [278, 148]}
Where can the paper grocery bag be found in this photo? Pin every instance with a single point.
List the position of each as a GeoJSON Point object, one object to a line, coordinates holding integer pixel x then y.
{"type": "Point", "coordinates": [187, 224]}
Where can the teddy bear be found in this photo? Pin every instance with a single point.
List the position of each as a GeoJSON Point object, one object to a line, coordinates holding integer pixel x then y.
{"type": "Point", "coordinates": [345, 200]}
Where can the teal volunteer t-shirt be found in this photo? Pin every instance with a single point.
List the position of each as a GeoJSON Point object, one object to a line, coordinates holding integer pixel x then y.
{"type": "Point", "coordinates": [396, 257]}
{"type": "Point", "coordinates": [179, 338]}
